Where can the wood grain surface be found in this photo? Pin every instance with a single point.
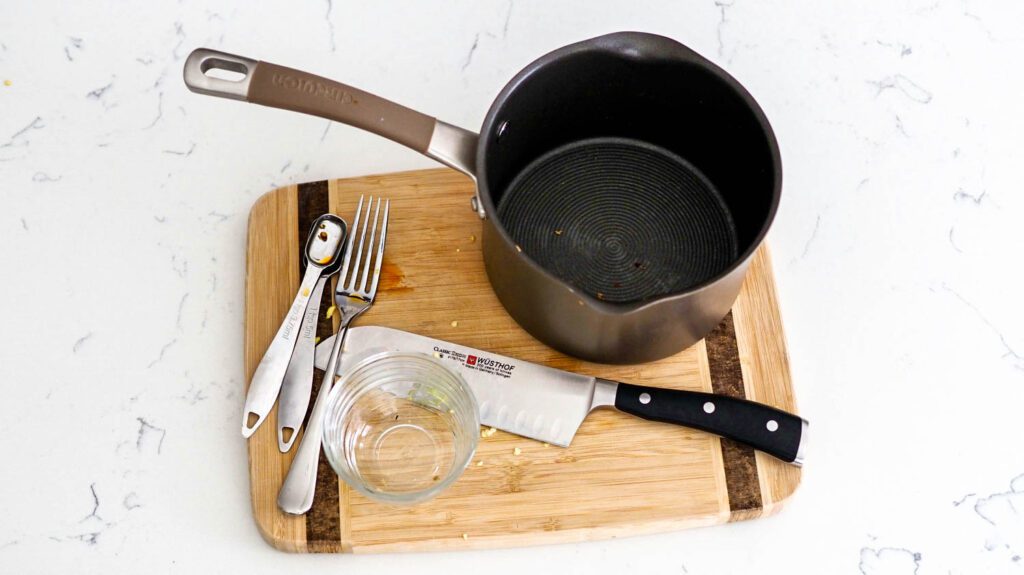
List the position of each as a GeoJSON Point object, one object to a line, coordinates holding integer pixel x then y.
{"type": "Point", "coordinates": [621, 475]}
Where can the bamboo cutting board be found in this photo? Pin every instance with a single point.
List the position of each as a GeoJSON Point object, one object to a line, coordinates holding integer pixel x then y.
{"type": "Point", "coordinates": [621, 475]}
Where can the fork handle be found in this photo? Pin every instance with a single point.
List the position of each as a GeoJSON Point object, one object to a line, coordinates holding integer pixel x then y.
{"type": "Point", "coordinates": [296, 495]}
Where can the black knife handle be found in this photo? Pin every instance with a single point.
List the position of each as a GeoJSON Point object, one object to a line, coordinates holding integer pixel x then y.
{"type": "Point", "coordinates": [765, 428]}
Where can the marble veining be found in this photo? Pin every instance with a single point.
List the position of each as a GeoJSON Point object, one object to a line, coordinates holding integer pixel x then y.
{"type": "Point", "coordinates": [148, 434]}
{"type": "Point", "coordinates": [904, 86]}
{"type": "Point", "coordinates": [888, 560]}
{"type": "Point", "coordinates": [163, 352]}
{"type": "Point", "coordinates": [80, 342]}
{"type": "Point", "coordinates": [472, 50]}
{"type": "Point", "coordinates": [1009, 353]}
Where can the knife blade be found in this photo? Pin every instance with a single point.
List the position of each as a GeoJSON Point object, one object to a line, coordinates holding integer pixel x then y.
{"type": "Point", "coordinates": [549, 404]}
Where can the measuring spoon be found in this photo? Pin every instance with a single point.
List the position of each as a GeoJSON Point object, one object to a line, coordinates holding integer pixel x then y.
{"type": "Point", "coordinates": [298, 379]}
{"type": "Point", "coordinates": [323, 248]}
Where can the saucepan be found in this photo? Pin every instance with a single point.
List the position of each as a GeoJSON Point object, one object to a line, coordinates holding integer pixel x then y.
{"type": "Point", "coordinates": [624, 184]}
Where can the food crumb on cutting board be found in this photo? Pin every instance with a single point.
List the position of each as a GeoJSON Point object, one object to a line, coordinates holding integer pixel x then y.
{"type": "Point", "coordinates": [465, 536]}
{"type": "Point", "coordinates": [455, 323]}
{"type": "Point", "coordinates": [516, 451]}
{"type": "Point", "coordinates": [488, 432]}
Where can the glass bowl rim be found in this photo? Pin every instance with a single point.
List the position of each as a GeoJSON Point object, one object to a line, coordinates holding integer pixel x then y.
{"type": "Point", "coordinates": [408, 498]}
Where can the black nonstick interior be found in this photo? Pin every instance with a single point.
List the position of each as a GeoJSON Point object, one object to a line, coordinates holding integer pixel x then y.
{"type": "Point", "coordinates": [620, 219]}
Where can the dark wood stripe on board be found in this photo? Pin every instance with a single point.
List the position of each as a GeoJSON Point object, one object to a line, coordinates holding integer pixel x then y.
{"type": "Point", "coordinates": [323, 524]}
{"type": "Point", "coordinates": [727, 379]}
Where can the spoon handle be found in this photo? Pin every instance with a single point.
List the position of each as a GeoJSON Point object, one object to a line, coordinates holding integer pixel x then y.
{"type": "Point", "coordinates": [266, 381]}
{"type": "Point", "coordinates": [298, 379]}
{"type": "Point", "coordinates": [296, 495]}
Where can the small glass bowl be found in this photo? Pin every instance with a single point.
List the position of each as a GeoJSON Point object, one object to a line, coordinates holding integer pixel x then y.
{"type": "Point", "coordinates": [400, 427]}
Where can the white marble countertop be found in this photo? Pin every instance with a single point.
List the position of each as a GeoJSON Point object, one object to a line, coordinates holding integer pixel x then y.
{"type": "Point", "coordinates": [897, 249]}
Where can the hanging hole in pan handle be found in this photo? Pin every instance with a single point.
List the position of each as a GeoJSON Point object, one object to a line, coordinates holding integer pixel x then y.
{"type": "Point", "coordinates": [218, 73]}
{"type": "Point", "coordinates": [224, 70]}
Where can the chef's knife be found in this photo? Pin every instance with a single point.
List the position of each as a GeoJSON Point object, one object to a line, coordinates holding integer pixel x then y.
{"type": "Point", "coordinates": [550, 404]}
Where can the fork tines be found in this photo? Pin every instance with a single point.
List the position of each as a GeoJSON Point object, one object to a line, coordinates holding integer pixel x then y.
{"type": "Point", "coordinates": [351, 277]}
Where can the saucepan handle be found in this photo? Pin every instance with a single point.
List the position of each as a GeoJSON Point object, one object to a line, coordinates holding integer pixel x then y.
{"type": "Point", "coordinates": [762, 427]}
{"type": "Point", "coordinates": [289, 89]}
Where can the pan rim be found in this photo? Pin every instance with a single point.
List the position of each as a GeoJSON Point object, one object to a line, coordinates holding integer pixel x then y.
{"type": "Point", "coordinates": [632, 45]}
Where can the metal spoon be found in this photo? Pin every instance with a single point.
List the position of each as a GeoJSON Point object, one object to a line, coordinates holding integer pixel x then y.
{"type": "Point", "coordinates": [298, 379]}
{"type": "Point", "coordinates": [323, 248]}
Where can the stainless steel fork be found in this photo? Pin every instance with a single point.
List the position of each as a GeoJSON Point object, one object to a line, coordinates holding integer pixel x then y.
{"type": "Point", "coordinates": [352, 297]}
